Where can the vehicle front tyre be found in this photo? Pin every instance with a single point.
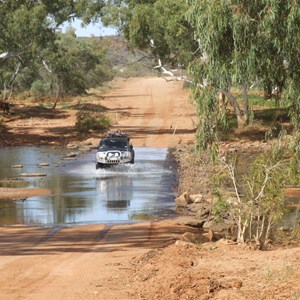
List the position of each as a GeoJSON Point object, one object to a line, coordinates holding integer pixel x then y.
{"type": "Point", "coordinates": [133, 156]}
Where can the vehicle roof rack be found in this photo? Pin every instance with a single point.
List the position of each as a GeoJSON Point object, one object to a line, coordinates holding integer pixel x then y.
{"type": "Point", "coordinates": [117, 133]}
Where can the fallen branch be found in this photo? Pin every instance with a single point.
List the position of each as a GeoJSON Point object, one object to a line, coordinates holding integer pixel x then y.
{"type": "Point", "coordinates": [165, 71]}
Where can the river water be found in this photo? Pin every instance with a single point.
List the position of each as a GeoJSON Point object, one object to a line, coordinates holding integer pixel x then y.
{"type": "Point", "coordinates": [83, 195]}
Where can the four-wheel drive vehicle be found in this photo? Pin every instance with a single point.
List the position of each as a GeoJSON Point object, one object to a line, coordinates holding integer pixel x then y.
{"type": "Point", "coordinates": [115, 148]}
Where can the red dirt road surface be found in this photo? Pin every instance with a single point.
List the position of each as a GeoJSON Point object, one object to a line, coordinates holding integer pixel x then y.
{"type": "Point", "coordinates": [156, 113]}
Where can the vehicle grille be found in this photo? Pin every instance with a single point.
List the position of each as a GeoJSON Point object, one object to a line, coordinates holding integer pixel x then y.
{"type": "Point", "coordinates": [112, 158]}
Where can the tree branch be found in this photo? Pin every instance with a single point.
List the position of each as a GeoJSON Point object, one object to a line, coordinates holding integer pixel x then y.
{"type": "Point", "coordinates": [165, 71]}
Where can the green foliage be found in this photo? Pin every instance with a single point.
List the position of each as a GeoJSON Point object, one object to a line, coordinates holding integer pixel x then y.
{"type": "Point", "coordinates": [39, 89]}
{"type": "Point", "coordinates": [245, 42]}
{"type": "Point", "coordinates": [77, 64]}
{"type": "Point", "coordinates": [259, 200]}
{"type": "Point", "coordinates": [259, 101]}
{"type": "Point", "coordinates": [73, 66]}
{"type": "Point", "coordinates": [211, 119]}
{"type": "Point", "coordinates": [90, 121]}
{"type": "Point", "coordinates": [158, 26]}
{"type": "Point", "coordinates": [31, 48]}
{"type": "Point", "coordinates": [26, 30]}
{"type": "Point", "coordinates": [220, 208]}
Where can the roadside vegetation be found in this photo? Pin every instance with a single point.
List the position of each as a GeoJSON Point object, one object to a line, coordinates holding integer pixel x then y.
{"type": "Point", "coordinates": [87, 121]}
{"type": "Point", "coordinates": [257, 195]}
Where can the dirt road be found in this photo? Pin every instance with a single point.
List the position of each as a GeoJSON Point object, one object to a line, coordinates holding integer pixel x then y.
{"type": "Point", "coordinates": [85, 262]}
{"type": "Point", "coordinates": [156, 113]}
{"type": "Point", "coordinates": [93, 262]}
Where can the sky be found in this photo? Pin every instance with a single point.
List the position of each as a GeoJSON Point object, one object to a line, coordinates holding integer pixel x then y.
{"type": "Point", "coordinates": [90, 30]}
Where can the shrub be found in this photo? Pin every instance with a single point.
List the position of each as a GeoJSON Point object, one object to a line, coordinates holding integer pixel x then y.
{"type": "Point", "coordinates": [87, 121]}
{"type": "Point", "coordinates": [220, 208]}
{"type": "Point", "coordinates": [259, 202]}
{"type": "Point", "coordinates": [39, 88]}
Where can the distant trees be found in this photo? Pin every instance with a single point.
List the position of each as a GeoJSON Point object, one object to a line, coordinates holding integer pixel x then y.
{"type": "Point", "coordinates": [73, 65]}
{"type": "Point", "coordinates": [29, 41]}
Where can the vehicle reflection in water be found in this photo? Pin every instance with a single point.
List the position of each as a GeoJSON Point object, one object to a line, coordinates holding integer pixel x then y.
{"type": "Point", "coordinates": [115, 191]}
{"type": "Point", "coordinates": [81, 194]}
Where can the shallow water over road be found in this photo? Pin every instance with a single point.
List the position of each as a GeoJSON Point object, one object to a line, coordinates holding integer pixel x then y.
{"type": "Point", "coordinates": [83, 195]}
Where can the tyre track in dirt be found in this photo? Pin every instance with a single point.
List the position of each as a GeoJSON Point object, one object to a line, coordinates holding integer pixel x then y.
{"type": "Point", "coordinates": [160, 115]}
{"type": "Point", "coordinates": [53, 252]}
{"type": "Point", "coordinates": [94, 253]}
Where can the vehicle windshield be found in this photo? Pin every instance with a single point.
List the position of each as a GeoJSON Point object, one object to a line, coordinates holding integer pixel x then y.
{"type": "Point", "coordinates": [113, 144]}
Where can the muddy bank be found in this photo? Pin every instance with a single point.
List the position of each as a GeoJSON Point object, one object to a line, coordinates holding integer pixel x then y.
{"type": "Point", "coordinates": [15, 193]}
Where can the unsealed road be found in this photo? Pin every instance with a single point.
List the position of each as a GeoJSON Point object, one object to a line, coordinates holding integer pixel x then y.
{"type": "Point", "coordinates": [156, 113]}
{"type": "Point", "coordinates": [93, 262]}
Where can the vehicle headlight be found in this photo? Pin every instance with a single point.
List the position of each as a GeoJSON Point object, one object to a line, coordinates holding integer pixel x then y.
{"type": "Point", "coordinates": [101, 154]}
{"type": "Point", "coordinates": [126, 154]}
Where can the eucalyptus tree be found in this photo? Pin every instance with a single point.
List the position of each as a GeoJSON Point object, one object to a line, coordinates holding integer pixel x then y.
{"type": "Point", "coordinates": [27, 27]}
{"type": "Point", "coordinates": [242, 42]}
{"type": "Point", "coordinates": [22, 27]}
{"type": "Point", "coordinates": [157, 26]}
{"type": "Point", "coordinates": [227, 43]}
{"type": "Point", "coordinates": [73, 65]}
